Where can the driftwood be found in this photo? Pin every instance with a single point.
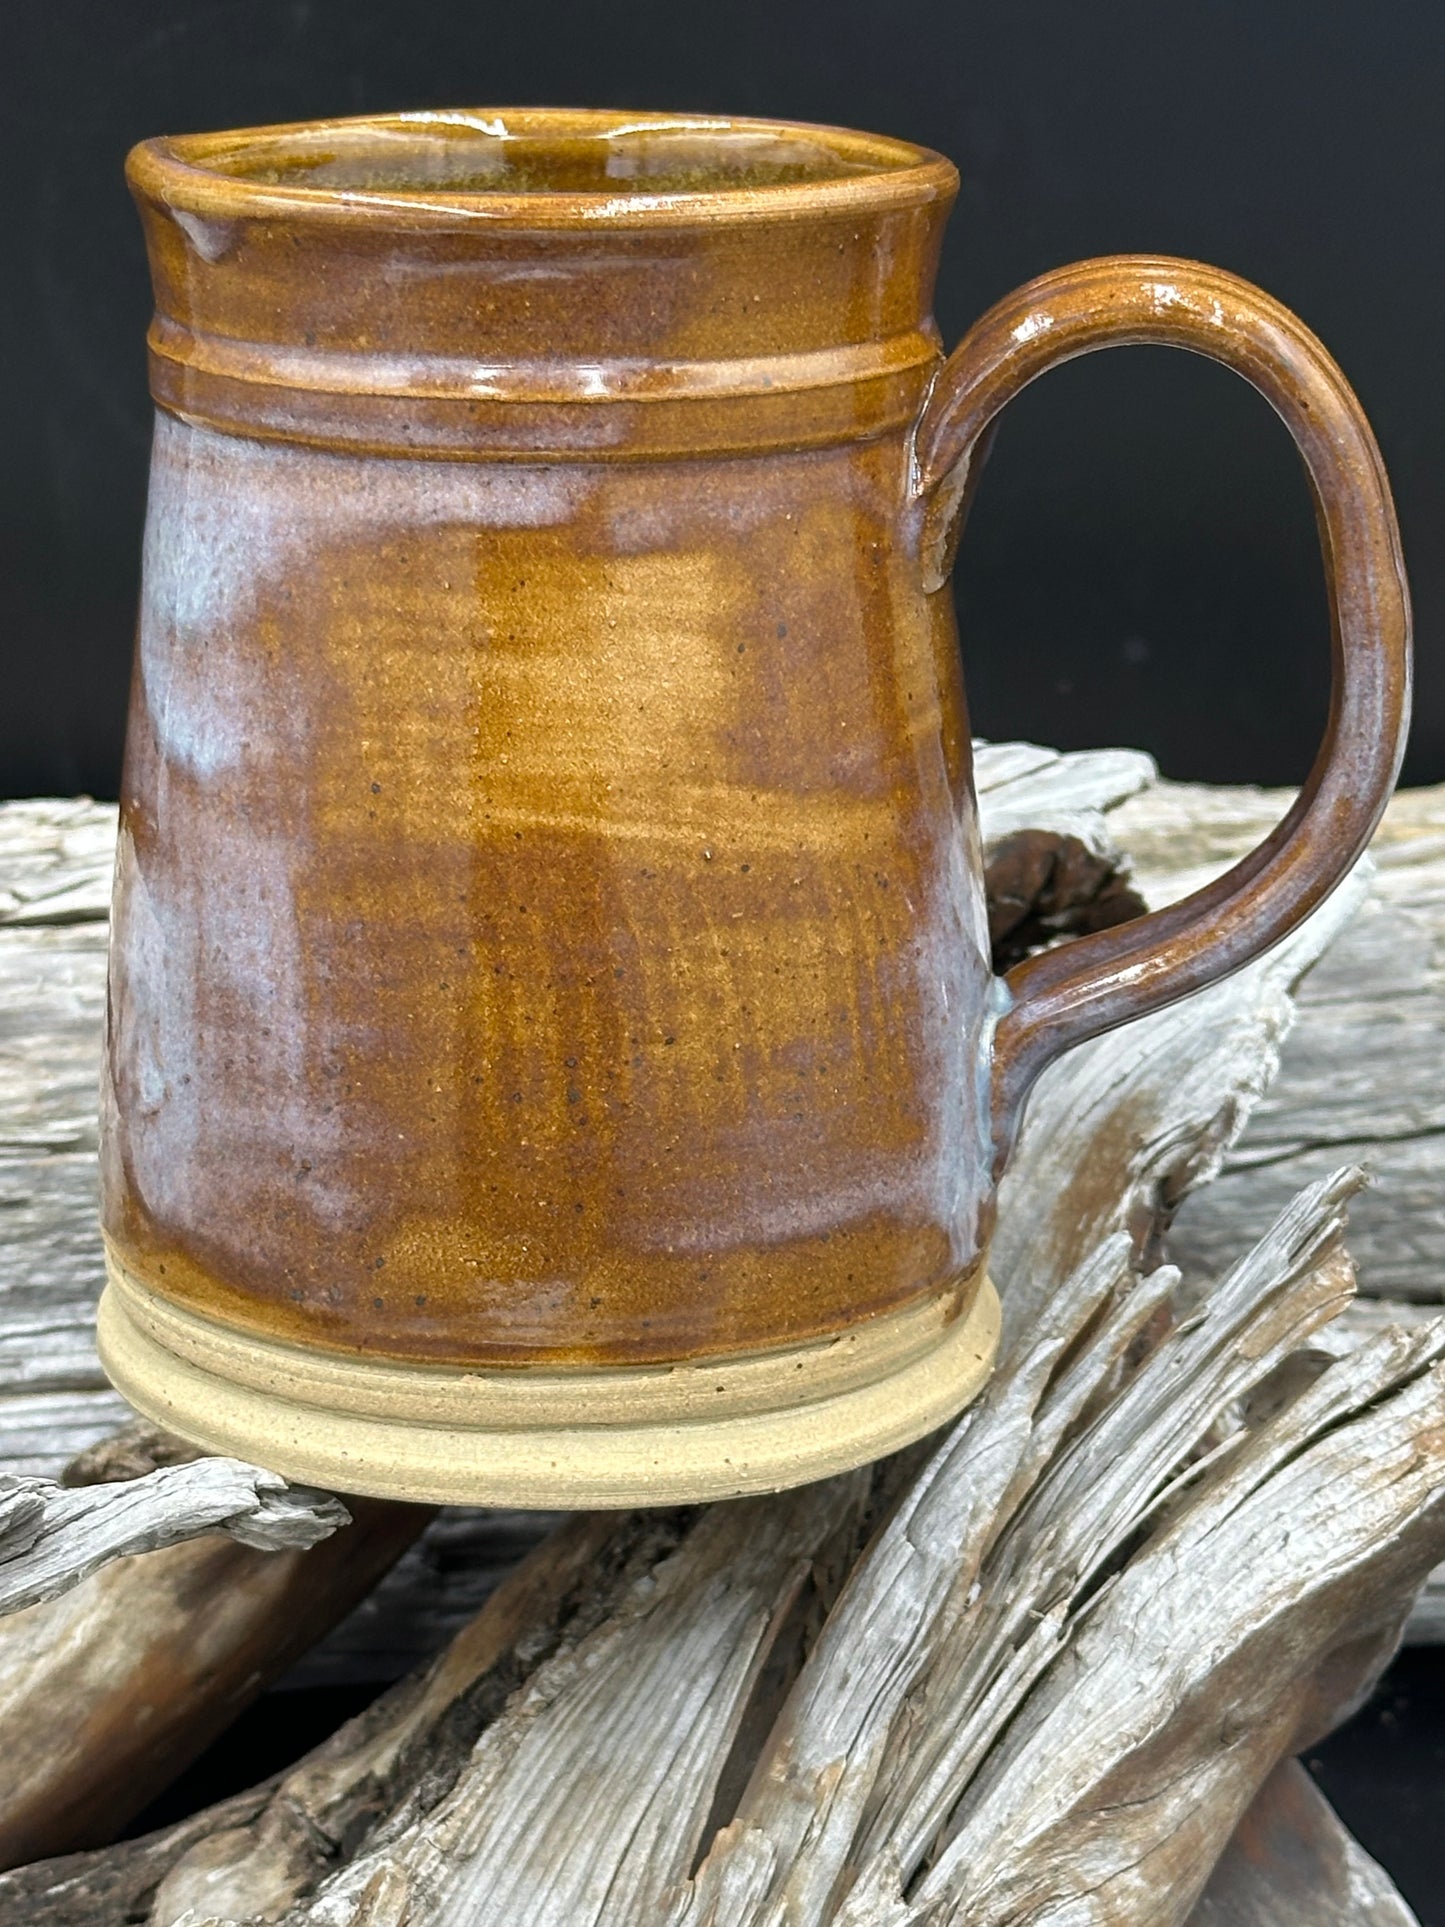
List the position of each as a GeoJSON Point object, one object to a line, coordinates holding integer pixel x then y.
{"type": "Point", "coordinates": [109, 1692]}
{"type": "Point", "coordinates": [1348, 1045]}
{"type": "Point", "coordinates": [1361, 1076]}
{"type": "Point", "coordinates": [1290, 1864]}
{"type": "Point", "coordinates": [1038, 1674]}
{"type": "Point", "coordinates": [53, 1536]}
{"type": "Point", "coordinates": [1013, 1698]}
{"type": "Point", "coordinates": [153, 1565]}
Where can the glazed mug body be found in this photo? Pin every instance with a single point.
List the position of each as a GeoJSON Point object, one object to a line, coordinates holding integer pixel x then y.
{"type": "Point", "coordinates": [551, 1052]}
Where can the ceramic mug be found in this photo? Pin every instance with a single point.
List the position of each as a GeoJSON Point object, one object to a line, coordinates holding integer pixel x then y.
{"type": "Point", "coordinates": [553, 1056]}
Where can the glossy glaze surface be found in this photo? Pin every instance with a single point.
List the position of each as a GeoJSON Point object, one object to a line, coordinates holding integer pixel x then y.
{"type": "Point", "coordinates": [549, 914]}
{"type": "Point", "coordinates": [1063, 996]}
{"type": "Point", "coordinates": [548, 921]}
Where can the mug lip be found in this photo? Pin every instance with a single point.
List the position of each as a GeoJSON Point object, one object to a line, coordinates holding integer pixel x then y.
{"type": "Point", "coordinates": [186, 173]}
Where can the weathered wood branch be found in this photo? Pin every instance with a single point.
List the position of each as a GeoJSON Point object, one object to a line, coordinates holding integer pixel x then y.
{"type": "Point", "coordinates": [52, 1536]}
{"type": "Point", "coordinates": [288, 1834]}
{"type": "Point", "coordinates": [1086, 1634]}
{"type": "Point", "coordinates": [1360, 1073]}
{"type": "Point", "coordinates": [109, 1692]}
{"type": "Point", "coordinates": [140, 1618]}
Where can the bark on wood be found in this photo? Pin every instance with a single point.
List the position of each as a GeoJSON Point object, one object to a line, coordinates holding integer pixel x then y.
{"type": "Point", "coordinates": [115, 1887]}
{"type": "Point", "coordinates": [1043, 886]}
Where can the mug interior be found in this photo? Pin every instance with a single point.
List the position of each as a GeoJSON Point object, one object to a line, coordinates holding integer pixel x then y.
{"type": "Point", "coordinates": [542, 152]}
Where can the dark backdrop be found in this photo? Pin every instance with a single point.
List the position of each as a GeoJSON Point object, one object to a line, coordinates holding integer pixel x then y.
{"type": "Point", "coordinates": [1141, 565]}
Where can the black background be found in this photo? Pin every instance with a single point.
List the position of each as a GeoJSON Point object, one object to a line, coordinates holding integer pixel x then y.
{"type": "Point", "coordinates": [1141, 566]}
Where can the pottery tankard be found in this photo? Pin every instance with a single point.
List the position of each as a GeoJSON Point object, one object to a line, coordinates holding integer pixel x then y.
{"type": "Point", "coordinates": [553, 1056]}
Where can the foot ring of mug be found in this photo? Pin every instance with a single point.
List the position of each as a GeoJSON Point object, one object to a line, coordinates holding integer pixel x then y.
{"type": "Point", "coordinates": [636, 1460]}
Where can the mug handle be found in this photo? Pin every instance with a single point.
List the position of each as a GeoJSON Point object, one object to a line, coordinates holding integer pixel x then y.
{"type": "Point", "coordinates": [1062, 996]}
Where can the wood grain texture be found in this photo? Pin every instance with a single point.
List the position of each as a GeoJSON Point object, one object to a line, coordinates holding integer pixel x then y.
{"type": "Point", "coordinates": [1013, 1697]}
{"type": "Point", "coordinates": [55, 862]}
{"type": "Point", "coordinates": [1359, 1076]}
{"type": "Point", "coordinates": [143, 1604]}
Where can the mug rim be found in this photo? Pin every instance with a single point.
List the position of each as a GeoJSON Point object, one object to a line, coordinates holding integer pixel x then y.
{"type": "Point", "coordinates": [204, 174]}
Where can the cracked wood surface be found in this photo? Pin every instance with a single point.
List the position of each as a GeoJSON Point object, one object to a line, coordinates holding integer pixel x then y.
{"type": "Point", "coordinates": [109, 1692]}
{"type": "Point", "coordinates": [144, 1603]}
{"type": "Point", "coordinates": [1360, 1077]}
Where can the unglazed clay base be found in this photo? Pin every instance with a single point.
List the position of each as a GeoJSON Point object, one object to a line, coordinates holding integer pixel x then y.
{"type": "Point", "coordinates": [637, 1435]}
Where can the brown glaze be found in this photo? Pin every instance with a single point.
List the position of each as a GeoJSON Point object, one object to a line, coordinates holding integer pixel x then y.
{"type": "Point", "coordinates": [1063, 996]}
{"type": "Point", "coordinates": [549, 922]}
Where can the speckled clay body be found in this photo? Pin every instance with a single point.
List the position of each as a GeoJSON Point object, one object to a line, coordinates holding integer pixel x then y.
{"type": "Point", "coordinates": [548, 948]}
